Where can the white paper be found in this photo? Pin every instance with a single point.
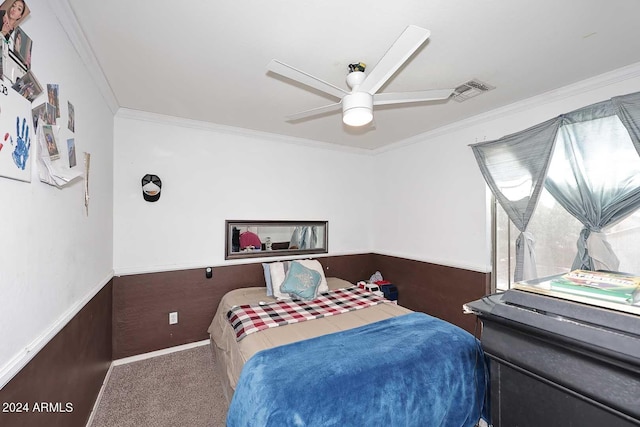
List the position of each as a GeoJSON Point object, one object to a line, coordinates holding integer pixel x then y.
{"type": "Point", "coordinates": [53, 170]}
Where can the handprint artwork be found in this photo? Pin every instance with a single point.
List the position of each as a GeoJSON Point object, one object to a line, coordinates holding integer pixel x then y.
{"type": "Point", "coordinates": [23, 143]}
{"type": "Point", "coordinates": [17, 135]}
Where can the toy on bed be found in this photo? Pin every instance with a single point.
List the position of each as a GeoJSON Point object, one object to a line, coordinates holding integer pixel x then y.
{"type": "Point", "coordinates": [341, 357]}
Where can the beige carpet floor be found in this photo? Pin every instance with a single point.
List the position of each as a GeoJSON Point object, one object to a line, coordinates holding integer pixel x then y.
{"type": "Point", "coordinates": [176, 389]}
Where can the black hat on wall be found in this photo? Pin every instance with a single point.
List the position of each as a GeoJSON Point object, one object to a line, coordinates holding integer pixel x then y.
{"type": "Point", "coordinates": [151, 186]}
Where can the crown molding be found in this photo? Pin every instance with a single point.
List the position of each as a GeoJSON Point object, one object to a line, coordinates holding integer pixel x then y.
{"type": "Point", "coordinates": [127, 113]}
{"type": "Point", "coordinates": [67, 18]}
{"type": "Point", "coordinates": [584, 86]}
{"type": "Point", "coordinates": [63, 11]}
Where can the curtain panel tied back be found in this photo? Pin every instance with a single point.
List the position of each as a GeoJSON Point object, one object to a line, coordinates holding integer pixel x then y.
{"type": "Point", "coordinates": [514, 168]}
{"type": "Point", "coordinates": [573, 155]}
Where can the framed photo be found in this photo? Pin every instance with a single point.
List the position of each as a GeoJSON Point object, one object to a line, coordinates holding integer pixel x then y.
{"type": "Point", "coordinates": [28, 86]}
{"type": "Point", "coordinates": [72, 117]}
{"type": "Point", "coordinates": [12, 13]}
{"type": "Point", "coordinates": [22, 45]}
{"type": "Point", "coordinates": [50, 139]}
{"type": "Point", "coordinates": [71, 151]}
{"type": "Point", "coordinates": [12, 67]}
{"type": "Point", "coordinates": [44, 113]}
{"type": "Point", "coordinates": [52, 93]}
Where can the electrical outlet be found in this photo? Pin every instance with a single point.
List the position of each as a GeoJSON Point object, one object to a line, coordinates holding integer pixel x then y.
{"type": "Point", "coordinates": [173, 317]}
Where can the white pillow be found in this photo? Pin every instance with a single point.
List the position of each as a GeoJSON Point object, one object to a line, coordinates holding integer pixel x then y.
{"type": "Point", "coordinates": [279, 271]}
{"type": "Point", "coordinates": [267, 278]}
{"type": "Point", "coordinates": [336, 283]}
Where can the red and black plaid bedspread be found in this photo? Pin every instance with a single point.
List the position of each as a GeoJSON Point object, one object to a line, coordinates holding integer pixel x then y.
{"type": "Point", "coordinates": [247, 319]}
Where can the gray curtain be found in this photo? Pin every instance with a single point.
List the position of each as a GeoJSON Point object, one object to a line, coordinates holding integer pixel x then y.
{"type": "Point", "coordinates": [627, 109]}
{"type": "Point", "coordinates": [309, 237]}
{"type": "Point", "coordinates": [582, 175]}
{"type": "Point", "coordinates": [304, 237]}
{"type": "Point", "coordinates": [514, 168]}
{"type": "Point", "coordinates": [589, 181]}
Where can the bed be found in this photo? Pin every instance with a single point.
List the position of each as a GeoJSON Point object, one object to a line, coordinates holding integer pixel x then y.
{"type": "Point", "coordinates": [381, 364]}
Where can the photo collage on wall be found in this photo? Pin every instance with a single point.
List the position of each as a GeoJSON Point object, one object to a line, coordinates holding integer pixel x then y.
{"type": "Point", "coordinates": [21, 95]}
{"type": "Point", "coordinates": [16, 46]}
{"type": "Point", "coordinates": [15, 106]}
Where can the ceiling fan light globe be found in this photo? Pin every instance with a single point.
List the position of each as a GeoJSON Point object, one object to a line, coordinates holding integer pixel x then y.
{"type": "Point", "coordinates": [357, 109]}
{"type": "Point", "coordinates": [357, 116]}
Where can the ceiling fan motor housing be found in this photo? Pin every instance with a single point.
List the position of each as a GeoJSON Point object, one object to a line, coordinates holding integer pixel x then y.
{"type": "Point", "coordinates": [357, 108]}
{"type": "Point", "coordinates": [355, 79]}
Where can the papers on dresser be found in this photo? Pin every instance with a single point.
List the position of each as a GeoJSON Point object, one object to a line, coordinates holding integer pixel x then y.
{"type": "Point", "coordinates": [617, 291]}
{"type": "Point", "coordinates": [617, 287]}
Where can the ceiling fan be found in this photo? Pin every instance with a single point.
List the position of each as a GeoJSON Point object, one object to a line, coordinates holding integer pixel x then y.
{"type": "Point", "coordinates": [357, 105]}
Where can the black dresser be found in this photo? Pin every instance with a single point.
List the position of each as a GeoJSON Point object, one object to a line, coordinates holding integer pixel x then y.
{"type": "Point", "coordinates": [559, 363]}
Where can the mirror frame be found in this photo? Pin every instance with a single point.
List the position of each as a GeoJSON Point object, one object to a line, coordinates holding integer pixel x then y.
{"type": "Point", "coordinates": [229, 224]}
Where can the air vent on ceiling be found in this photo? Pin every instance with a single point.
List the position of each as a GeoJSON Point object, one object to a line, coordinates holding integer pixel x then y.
{"type": "Point", "coordinates": [470, 89]}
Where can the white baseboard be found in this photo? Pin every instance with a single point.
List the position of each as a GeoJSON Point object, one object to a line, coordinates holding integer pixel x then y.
{"type": "Point", "coordinates": [157, 353]}
{"type": "Point", "coordinates": [99, 397]}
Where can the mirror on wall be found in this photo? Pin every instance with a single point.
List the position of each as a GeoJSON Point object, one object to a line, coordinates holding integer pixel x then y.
{"type": "Point", "coordinates": [251, 239]}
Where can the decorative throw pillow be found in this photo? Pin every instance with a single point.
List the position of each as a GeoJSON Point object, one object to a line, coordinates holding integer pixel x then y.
{"type": "Point", "coordinates": [278, 271]}
{"type": "Point", "coordinates": [314, 264]}
{"type": "Point", "coordinates": [301, 282]}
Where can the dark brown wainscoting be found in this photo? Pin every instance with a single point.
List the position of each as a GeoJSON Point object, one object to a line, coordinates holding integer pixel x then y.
{"type": "Point", "coordinates": [133, 310]}
{"type": "Point", "coordinates": [142, 302]}
{"type": "Point", "coordinates": [349, 267]}
{"type": "Point", "coordinates": [435, 289]}
{"type": "Point", "coordinates": [69, 369]}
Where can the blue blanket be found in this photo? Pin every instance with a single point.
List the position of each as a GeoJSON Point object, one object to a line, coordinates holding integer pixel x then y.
{"type": "Point", "coordinates": [411, 370]}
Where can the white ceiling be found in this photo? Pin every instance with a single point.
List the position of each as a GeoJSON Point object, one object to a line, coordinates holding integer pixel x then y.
{"type": "Point", "coordinates": [206, 60]}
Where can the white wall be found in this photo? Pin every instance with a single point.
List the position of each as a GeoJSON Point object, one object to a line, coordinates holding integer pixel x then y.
{"type": "Point", "coordinates": [53, 257]}
{"type": "Point", "coordinates": [210, 174]}
{"type": "Point", "coordinates": [432, 204]}
{"type": "Point", "coordinates": [421, 199]}
{"type": "Point", "coordinates": [432, 198]}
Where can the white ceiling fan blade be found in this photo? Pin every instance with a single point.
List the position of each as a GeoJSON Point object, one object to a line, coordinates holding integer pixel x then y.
{"type": "Point", "coordinates": [408, 42]}
{"type": "Point", "coordinates": [307, 79]}
{"type": "Point", "coordinates": [315, 111]}
{"type": "Point", "coordinates": [401, 97]}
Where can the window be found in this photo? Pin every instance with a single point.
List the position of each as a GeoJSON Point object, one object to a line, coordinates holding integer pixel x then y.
{"type": "Point", "coordinates": [556, 233]}
{"type": "Point", "coordinates": [591, 158]}
{"type": "Point", "coordinates": [571, 187]}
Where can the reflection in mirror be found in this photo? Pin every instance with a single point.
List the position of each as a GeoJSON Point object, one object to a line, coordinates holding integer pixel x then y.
{"type": "Point", "coordinates": [246, 239]}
